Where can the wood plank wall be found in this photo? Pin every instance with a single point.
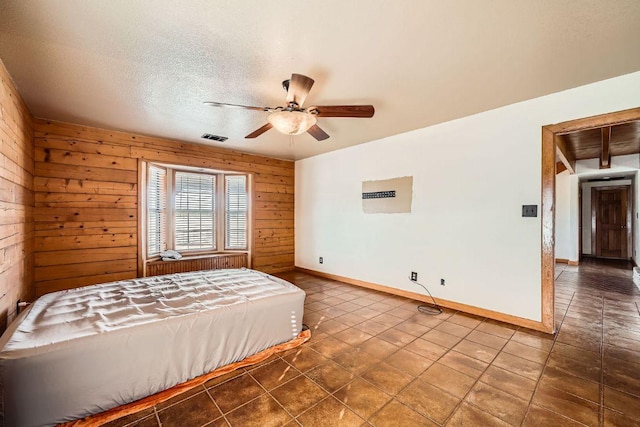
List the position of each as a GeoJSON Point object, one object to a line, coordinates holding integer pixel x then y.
{"type": "Point", "coordinates": [86, 209]}
{"type": "Point", "coordinates": [16, 199]}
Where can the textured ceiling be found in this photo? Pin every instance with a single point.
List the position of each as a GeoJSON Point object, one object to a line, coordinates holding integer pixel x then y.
{"type": "Point", "coordinates": [147, 66]}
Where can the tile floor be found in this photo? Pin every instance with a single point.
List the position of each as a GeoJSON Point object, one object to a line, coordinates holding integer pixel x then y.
{"type": "Point", "coordinates": [374, 360]}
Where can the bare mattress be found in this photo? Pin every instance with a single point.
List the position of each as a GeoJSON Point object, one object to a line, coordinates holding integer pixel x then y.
{"type": "Point", "coordinates": [79, 352]}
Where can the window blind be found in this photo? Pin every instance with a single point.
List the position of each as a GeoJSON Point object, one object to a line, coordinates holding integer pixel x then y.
{"type": "Point", "coordinates": [235, 212]}
{"type": "Point", "coordinates": [156, 210]}
{"type": "Point", "coordinates": [194, 211]}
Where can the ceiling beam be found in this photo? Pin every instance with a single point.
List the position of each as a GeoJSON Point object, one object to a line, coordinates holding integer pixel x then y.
{"type": "Point", "coordinates": [566, 156]}
{"type": "Point", "coordinates": [605, 154]}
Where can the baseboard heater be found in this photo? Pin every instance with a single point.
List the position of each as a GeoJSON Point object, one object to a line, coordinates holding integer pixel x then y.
{"type": "Point", "coordinates": [195, 263]}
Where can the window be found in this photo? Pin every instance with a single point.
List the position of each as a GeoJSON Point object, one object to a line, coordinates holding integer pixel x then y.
{"type": "Point", "coordinates": [157, 210]}
{"type": "Point", "coordinates": [195, 211]}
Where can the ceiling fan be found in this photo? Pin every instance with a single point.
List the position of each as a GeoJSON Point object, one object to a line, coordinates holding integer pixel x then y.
{"type": "Point", "coordinates": [294, 119]}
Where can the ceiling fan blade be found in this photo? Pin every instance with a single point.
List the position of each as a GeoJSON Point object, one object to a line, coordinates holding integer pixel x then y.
{"type": "Point", "coordinates": [318, 133]}
{"type": "Point", "coordinates": [245, 107]}
{"type": "Point", "coordinates": [357, 111]}
{"type": "Point", "coordinates": [256, 133]}
{"type": "Point", "coordinates": [299, 87]}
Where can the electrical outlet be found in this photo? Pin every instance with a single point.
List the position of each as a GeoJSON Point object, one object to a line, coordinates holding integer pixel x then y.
{"type": "Point", "coordinates": [414, 276]}
{"type": "Point", "coordinates": [442, 282]}
{"type": "Point", "coordinates": [321, 260]}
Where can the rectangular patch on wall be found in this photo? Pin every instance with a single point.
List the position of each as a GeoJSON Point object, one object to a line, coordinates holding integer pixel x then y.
{"type": "Point", "coordinates": [388, 195]}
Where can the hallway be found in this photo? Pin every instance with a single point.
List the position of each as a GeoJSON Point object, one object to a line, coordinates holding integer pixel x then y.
{"type": "Point", "coordinates": [598, 317]}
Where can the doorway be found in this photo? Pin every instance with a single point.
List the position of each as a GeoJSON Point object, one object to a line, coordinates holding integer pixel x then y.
{"type": "Point", "coordinates": [611, 222]}
{"type": "Point", "coordinates": [550, 139]}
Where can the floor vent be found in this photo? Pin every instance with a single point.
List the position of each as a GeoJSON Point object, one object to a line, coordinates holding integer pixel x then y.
{"type": "Point", "coordinates": [214, 137]}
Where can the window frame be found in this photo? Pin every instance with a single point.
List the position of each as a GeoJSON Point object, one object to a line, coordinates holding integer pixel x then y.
{"type": "Point", "coordinates": [219, 210]}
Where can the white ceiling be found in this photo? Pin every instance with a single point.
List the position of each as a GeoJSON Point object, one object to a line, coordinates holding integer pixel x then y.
{"type": "Point", "coordinates": [147, 66]}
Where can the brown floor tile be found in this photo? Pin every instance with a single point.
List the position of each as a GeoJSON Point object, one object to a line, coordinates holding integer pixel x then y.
{"type": "Point", "coordinates": [371, 327]}
{"type": "Point", "coordinates": [454, 329]}
{"type": "Point", "coordinates": [621, 353]}
{"type": "Point", "coordinates": [223, 378]}
{"type": "Point", "coordinates": [441, 338]}
{"type": "Point", "coordinates": [236, 392]}
{"type": "Point", "coordinates": [557, 378]}
{"type": "Point", "coordinates": [448, 379]}
{"type": "Point", "coordinates": [378, 348]}
{"type": "Point", "coordinates": [303, 358]}
{"type": "Point", "coordinates": [567, 404]}
{"type": "Point", "coordinates": [526, 352]}
{"type": "Point", "coordinates": [396, 337]}
{"type": "Point", "coordinates": [274, 374]}
{"type": "Point", "coordinates": [350, 319]}
{"type": "Point", "coordinates": [220, 422]}
{"type": "Point", "coordinates": [330, 413]}
{"type": "Point", "coordinates": [129, 419]}
{"type": "Point", "coordinates": [475, 350]}
{"type": "Point", "coordinates": [518, 365]}
{"type": "Point", "coordinates": [463, 363]}
{"type": "Point", "coordinates": [489, 340]}
{"type": "Point", "coordinates": [387, 378]}
{"type": "Point", "coordinates": [263, 411]}
{"type": "Point", "coordinates": [298, 395]}
{"type": "Point", "coordinates": [538, 417]}
{"type": "Point", "coordinates": [467, 415]}
{"type": "Point", "coordinates": [413, 328]}
{"type": "Point", "coordinates": [194, 411]}
{"type": "Point", "coordinates": [330, 347]}
{"type": "Point", "coordinates": [468, 320]}
{"type": "Point", "coordinates": [426, 319]}
{"type": "Point", "coordinates": [587, 370]}
{"type": "Point", "coordinates": [534, 339]}
{"type": "Point", "coordinates": [585, 342]}
{"type": "Point", "coordinates": [509, 382]}
{"type": "Point", "coordinates": [399, 415]}
{"type": "Point", "coordinates": [149, 421]}
{"type": "Point", "coordinates": [388, 320]}
{"type": "Point", "coordinates": [356, 360]}
{"type": "Point", "coordinates": [362, 398]}
{"type": "Point", "coordinates": [330, 376]}
{"type": "Point", "coordinates": [409, 362]}
{"type": "Point", "coordinates": [331, 326]}
{"type": "Point", "coordinates": [616, 419]}
{"type": "Point", "coordinates": [402, 312]}
{"type": "Point", "coordinates": [428, 400]}
{"type": "Point", "coordinates": [623, 403]}
{"type": "Point", "coordinates": [179, 398]}
{"type": "Point", "coordinates": [353, 336]}
{"type": "Point", "coordinates": [498, 403]}
{"type": "Point", "coordinates": [426, 349]}
{"type": "Point", "coordinates": [495, 328]}
{"type": "Point", "coordinates": [622, 375]}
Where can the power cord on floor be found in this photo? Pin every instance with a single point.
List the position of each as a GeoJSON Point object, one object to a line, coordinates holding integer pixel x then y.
{"type": "Point", "coordinates": [428, 309]}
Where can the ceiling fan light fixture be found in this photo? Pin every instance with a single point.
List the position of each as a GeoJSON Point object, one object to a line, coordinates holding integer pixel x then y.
{"type": "Point", "coordinates": [292, 122]}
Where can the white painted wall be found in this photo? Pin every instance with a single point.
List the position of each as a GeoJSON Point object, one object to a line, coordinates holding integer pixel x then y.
{"type": "Point", "coordinates": [471, 178]}
{"type": "Point", "coordinates": [567, 216]}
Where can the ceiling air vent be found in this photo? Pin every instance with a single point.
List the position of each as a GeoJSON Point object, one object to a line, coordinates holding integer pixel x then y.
{"type": "Point", "coordinates": [214, 137]}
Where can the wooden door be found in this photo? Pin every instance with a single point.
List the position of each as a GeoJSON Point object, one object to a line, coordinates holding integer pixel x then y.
{"type": "Point", "coordinates": [611, 206]}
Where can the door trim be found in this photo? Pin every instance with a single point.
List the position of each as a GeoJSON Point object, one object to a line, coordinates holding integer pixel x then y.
{"type": "Point", "coordinates": [548, 192]}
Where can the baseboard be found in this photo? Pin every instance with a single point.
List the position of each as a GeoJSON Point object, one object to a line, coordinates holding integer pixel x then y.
{"type": "Point", "coordinates": [566, 261]}
{"type": "Point", "coordinates": [490, 314]}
